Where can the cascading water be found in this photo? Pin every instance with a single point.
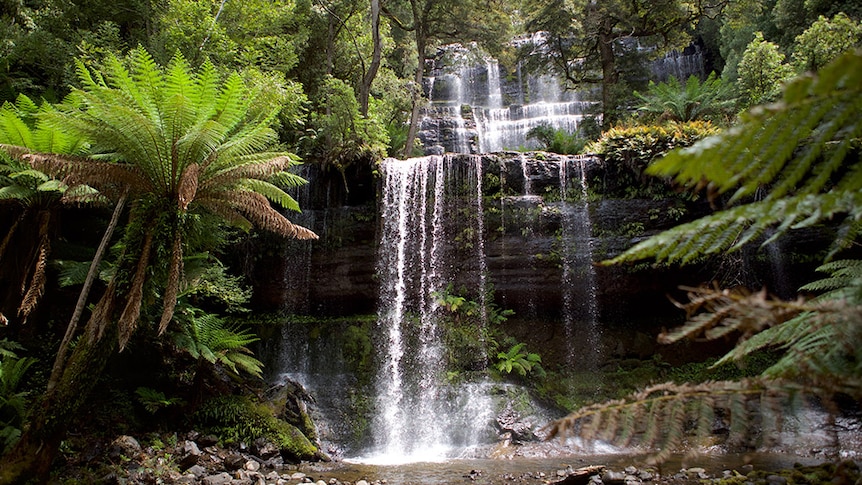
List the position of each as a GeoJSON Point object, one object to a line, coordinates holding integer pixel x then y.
{"type": "Point", "coordinates": [419, 416]}
{"type": "Point", "coordinates": [580, 311]}
{"type": "Point", "coordinates": [469, 110]}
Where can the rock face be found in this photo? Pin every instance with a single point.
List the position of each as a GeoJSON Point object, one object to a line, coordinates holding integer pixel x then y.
{"type": "Point", "coordinates": [525, 245]}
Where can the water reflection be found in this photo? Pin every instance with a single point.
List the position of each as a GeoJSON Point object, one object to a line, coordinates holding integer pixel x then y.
{"type": "Point", "coordinates": [536, 470]}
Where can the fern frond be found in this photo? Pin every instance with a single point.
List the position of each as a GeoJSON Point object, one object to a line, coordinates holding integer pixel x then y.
{"type": "Point", "coordinates": [271, 192]}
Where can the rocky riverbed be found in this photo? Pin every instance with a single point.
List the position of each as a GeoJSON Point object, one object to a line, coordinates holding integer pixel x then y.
{"type": "Point", "coordinates": [195, 459]}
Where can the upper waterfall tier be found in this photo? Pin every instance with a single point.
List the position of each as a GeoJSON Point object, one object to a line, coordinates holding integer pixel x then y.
{"type": "Point", "coordinates": [477, 107]}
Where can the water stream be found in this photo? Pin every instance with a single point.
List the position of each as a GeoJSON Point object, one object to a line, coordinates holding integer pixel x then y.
{"type": "Point", "coordinates": [420, 416]}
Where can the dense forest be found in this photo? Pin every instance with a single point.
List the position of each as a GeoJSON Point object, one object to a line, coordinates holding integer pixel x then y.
{"type": "Point", "coordinates": [143, 141]}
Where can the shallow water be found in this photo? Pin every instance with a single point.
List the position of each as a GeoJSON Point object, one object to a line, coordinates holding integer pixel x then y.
{"type": "Point", "coordinates": [532, 470]}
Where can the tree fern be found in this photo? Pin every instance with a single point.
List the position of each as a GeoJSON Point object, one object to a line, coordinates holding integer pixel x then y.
{"type": "Point", "coordinates": [803, 153]}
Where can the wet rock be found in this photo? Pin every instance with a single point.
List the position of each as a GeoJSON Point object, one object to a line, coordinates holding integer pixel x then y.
{"type": "Point", "coordinates": [776, 480]}
{"type": "Point", "coordinates": [520, 428]}
{"type": "Point", "coordinates": [297, 476]}
{"type": "Point", "coordinates": [252, 465]}
{"type": "Point", "coordinates": [234, 461]}
{"type": "Point", "coordinates": [265, 449]}
{"type": "Point", "coordinates": [611, 477]}
{"type": "Point", "coordinates": [222, 478]}
{"type": "Point", "coordinates": [207, 440]}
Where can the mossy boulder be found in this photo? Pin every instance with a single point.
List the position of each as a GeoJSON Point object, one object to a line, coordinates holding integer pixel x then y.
{"type": "Point", "coordinates": [236, 419]}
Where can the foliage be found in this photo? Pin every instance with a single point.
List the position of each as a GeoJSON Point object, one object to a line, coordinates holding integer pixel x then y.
{"type": "Point", "coordinates": [178, 143]}
{"type": "Point", "coordinates": [13, 401]}
{"type": "Point", "coordinates": [472, 329]}
{"type": "Point", "coordinates": [518, 359]}
{"type": "Point", "coordinates": [696, 100]}
{"type": "Point", "coordinates": [805, 152]}
{"type": "Point", "coordinates": [628, 150]}
{"type": "Point", "coordinates": [557, 141]}
{"type": "Point", "coordinates": [341, 136]}
{"type": "Point", "coordinates": [668, 416]}
{"type": "Point", "coordinates": [236, 419]}
{"type": "Point", "coordinates": [153, 400]}
{"type": "Point", "coordinates": [824, 41]}
{"type": "Point", "coordinates": [761, 71]}
{"type": "Point", "coordinates": [36, 194]}
{"type": "Point", "coordinates": [260, 33]}
{"type": "Point", "coordinates": [208, 337]}
{"type": "Point", "coordinates": [805, 148]}
{"type": "Point", "coordinates": [593, 48]}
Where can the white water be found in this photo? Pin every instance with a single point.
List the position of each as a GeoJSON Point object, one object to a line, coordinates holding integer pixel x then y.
{"type": "Point", "coordinates": [497, 121]}
{"type": "Point", "coordinates": [580, 311]}
{"type": "Point", "coordinates": [420, 417]}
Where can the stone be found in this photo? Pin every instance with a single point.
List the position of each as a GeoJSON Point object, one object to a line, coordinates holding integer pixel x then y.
{"type": "Point", "coordinates": [776, 480]}
{"type": "Point", "coordinates": [611, 477]}
{"type": "Point", "coordinates": [190, 455]}
{"type": "Point", "coordinates": [234, 461]}
{"type": "Point", "coordinates": [646, 476]}
{"type": "Point", "coordinates": [361, 482]}
{"type": "Point", "coordinates": [631, 470]}
{"type": "Point", "coordinates": [124, 446]}
{"type": "Point", "coordinates": [264, 449]}
{"type": "Point", "coordinates": [197, 470]}
{"type": "Point", "coordinates": [320, 482]}
{"type": "Point", "coordinates": [222, 478]}
{"type": "Point", "coordinates": [207, 440]}
{"type": "Point", "coordinates": [297, 476]}
{"type": "Point", "coordinates": [252, 465]}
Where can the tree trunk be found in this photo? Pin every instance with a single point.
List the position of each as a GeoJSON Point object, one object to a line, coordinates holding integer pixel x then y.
{"type": "Point", "coordinates": [72, 328]}
{"type": "Point", "coordinates": [417, 93]}
{"type": "Point", "coordinates": [368, 78]}
{"type": "Point", "coordinates": [32, 456]}
{"type": "Point", "coordinates": [609, 78]}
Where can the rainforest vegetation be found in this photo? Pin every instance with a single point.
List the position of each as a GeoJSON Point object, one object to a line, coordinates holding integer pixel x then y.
{"type": "Point", "coordinates": [143, 141]}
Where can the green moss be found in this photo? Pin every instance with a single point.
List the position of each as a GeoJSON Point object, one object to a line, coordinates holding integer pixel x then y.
{"type": "Point", "coordinates": [237, 419]}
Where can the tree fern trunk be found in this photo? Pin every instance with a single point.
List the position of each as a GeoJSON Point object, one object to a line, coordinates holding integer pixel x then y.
{"type": "Point", "coordinates": [32, 456]}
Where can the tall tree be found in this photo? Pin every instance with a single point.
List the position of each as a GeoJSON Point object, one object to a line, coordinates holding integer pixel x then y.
{"type": "Point", "coordinates": [585, 39]}
{"type": "Point", "coordinates": [189, 150]}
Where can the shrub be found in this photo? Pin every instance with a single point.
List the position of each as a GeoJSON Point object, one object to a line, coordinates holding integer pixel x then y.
{"type": "Point", "coordinates": [628, 150]}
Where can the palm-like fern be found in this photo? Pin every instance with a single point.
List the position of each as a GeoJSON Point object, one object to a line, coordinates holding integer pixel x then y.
{"type": "Point", "coordinates": [693, 101]}
{"type": "Point", "coordinates": [38, 195]}
{"type": "Point", "coordinates": [805, 152]}
{"type": "Point", "coordinates": [177, 143]}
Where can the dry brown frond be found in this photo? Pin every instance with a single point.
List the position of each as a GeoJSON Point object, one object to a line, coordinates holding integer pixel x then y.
{"type": "Point", "coordinates": [37, 282]}
{"type": "Point", "coordinates": [101, 316]}
{"type": "Point", "coordinates": [668, 416]}
{"type": "Point", "coordinates": [188, 186]}
{"type": "Point", "coordinates": [173, 286]}
{"type": "Point", "coordinates": [15, 151]}
{"type": "Point", "coordinates": [106, 177]}
{"type": "Point", "coordinates": [224, 209]}
{"type": "Point", "coordinates": [129, 318]}
{"type": "Point", "coordinates": [260, 170]}
{"type": "Point", "coordinates": [730, 310]}
{"type": "Point", "coordinates": [257, 209]}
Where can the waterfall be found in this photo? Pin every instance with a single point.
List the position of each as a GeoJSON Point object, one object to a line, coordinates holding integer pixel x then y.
{"type": "Point", "coordinates": [419, 416]}
{"type": "Point", "coordinates": [580, 311]}
{"type": "Point", "coordinates": [502, 111]}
